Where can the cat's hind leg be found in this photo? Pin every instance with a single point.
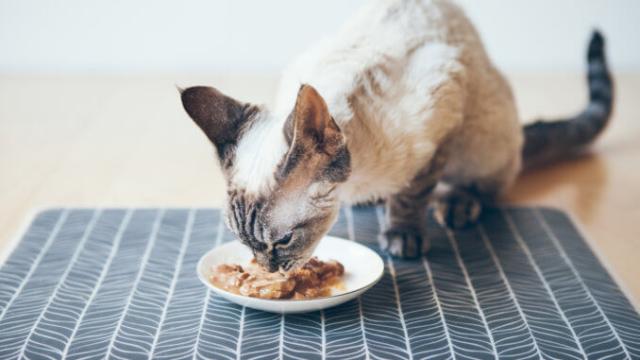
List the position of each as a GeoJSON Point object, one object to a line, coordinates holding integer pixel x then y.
{"type": "Point", "coordinates": [461, 206]}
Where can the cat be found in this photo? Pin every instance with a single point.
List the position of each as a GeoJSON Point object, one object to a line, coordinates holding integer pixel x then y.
{"type": "Point", "coordinates": [403, 98]}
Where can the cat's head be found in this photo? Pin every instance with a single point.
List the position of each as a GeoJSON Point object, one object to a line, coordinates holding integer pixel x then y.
{"type": "Point", "coordinates": [282, 174]}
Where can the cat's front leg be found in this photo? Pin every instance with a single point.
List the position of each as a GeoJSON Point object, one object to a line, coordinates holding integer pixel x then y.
{"type": "Point", "coordinates": [404, 234]}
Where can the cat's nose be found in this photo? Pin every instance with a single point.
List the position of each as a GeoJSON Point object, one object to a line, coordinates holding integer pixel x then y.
{"type": "Point", "coordinates": [271, 265]}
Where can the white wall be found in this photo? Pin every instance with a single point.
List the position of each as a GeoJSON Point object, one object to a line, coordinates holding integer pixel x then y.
{"type": "Point", "coordinates": [261, 35]}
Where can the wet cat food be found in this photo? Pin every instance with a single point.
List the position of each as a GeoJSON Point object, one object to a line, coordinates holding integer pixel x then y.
{"type": "Point", "coordinates": [314, 279]}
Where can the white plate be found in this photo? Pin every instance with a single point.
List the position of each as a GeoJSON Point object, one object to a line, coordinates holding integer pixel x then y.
{"type": "Point", "coordinates": [363, 268]}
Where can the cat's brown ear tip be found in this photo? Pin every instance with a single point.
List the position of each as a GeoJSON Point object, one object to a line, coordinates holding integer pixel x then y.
{"type": "Point", "coordinates": [198, 94]}
{"type": "Point", "coordinates": [307, 89]}
{"type": "Point", "coordinates": [309, 96]}
{"type": "Point", "coordinates": [197, 101]}
{"type": "Point", "coordinates": [191, 92]}
{"type": "Point", "coordinates": [185, 93]}
{"type": "Point", "coordinates": [187, 96]}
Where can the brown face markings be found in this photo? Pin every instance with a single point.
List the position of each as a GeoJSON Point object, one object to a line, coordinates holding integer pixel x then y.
{"type": "Point", "coordinates": [246, 218]}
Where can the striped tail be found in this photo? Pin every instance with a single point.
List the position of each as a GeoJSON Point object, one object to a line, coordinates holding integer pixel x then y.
{"type": "Point", "coordinates": [546, 141]}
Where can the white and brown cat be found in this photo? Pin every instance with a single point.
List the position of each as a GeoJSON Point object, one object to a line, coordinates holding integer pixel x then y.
{"type": "Point", "coordinates": [404, 97]}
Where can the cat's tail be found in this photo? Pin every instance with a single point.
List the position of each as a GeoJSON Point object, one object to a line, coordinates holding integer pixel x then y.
{"type": "Point", "coordinates": [546, 141]}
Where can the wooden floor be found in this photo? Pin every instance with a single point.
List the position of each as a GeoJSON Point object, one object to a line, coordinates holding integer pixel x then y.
{"type": "Point", "coordinates": [125, 141]}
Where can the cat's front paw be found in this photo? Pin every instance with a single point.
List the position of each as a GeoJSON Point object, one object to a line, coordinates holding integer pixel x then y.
{"type": "Point", "coordinates": [404, 242]}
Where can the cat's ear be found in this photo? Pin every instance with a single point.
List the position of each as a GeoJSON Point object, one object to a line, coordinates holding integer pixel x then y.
{"type": "Point", "coordinates": [313, 134]}
{"type": "Point", "coordinates": [311, 125]}
{"type": "Point", "coordinates": [219, 116]}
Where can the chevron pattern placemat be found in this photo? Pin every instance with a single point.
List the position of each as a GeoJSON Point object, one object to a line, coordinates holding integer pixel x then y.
{"type": "Point", "coordinates": [118, 283]}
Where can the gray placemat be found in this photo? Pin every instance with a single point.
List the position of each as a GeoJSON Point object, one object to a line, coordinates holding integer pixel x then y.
{"type": "Point", "coordinates": [120, 283]}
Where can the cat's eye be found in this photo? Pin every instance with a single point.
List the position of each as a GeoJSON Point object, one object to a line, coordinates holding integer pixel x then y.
{"type": "Point", "coordinates": [285, 240]}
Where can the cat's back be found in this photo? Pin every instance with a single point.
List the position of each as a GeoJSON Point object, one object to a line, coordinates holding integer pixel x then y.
{"type": "Point", "coordinates": [382, 34]}
{"type": "Point", "coordinates": [378, 76]}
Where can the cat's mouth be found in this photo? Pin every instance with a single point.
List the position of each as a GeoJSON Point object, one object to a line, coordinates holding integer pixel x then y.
{"type": "Point", "coordinates": [272, 265]}
{"type": "Point", "coordinates": [273, 260]}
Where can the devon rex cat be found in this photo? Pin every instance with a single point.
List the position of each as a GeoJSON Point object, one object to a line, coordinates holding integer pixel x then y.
{"type": "Point", "coordinates": [402, 98]}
